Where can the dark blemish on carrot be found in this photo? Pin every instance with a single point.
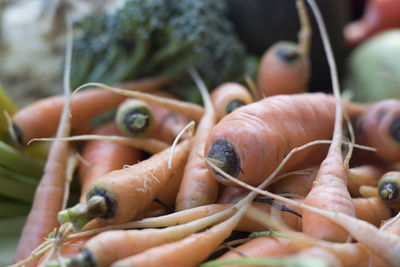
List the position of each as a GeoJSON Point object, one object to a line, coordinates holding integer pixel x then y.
{"type": "Point", "coordinates": [111, 202]}
{"type": "Point", "coordinates": [234, 104]}
{"type": "Point", "coordinates": [18, 135]}
{"type": "Point", "coordinates": [137, 120]}
{"type": "Point", "coordinates": [388, 191]}
{"type": "Point", "coordinates": [84, 258]}
{"type": "Point", "coordinates": [226, 156]}
{"type": "Point", "coordinates": [287, 53]}
{"type": "Point", "coordinates": [395, 129]}
{"type": "Point", "coordinates": [380, 115]}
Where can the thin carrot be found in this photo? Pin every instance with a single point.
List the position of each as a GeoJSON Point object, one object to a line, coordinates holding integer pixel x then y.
{"type": "Point", "coordinates": [40, 119]}
{"type": "Point", "coordinates": [198, 187]}
{"type": "Point", "coordinates": [121, 195]}
{"type": "Point", "coordinates": [101, 157]}
{"type": "Point", "coordinates": [228, 97]}
{"type": "Point", "coordinates": [49, 195]}
{"type": "Point", "coordinates": [379, 126]}
{"type": "Point", "coordinates": [285, 66]}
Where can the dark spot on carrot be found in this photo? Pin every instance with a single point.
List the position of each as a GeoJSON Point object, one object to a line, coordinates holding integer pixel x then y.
{"type": "Point", "coordinates": [287, 53]}
{"type": "Point", "coordinates": [111, 202]}
{"type": "Point", "coordinates": [234, 104]}
{"type": "Point", "coordinates": [226, 156]}
{"type": "Point", "coordinates": [277, 206]}
{"type": "Point", "coordinates": [380, 115]}
{"type": "Point", "coordinates": [395, 129]}
{"type": "Point", "coordinates": [388, 191]}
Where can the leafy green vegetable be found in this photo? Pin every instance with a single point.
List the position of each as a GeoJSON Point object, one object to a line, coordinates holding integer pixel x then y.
{"type": "Point", "coordinates": [159, 37]}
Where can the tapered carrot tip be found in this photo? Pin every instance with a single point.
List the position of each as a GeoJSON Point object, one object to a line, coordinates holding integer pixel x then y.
{"type": "Point", "coordinates": [225, 157]}
{"type": "Point", "coordinates": [395, 129]}
{"type": "Point", "coordinates": [82, 213]}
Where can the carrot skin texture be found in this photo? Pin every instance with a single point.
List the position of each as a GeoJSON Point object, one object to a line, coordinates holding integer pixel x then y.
{"type": "Point", "coordinates": [262, 133]}
{"type": "Point", "coordinates": [102, 157]}
{"type": "Point", "coordinates": [135, 187]}
{"type": "Point", "coordinates": [362, 175]}
{"type": "Point", "coordinates": [372, 210]}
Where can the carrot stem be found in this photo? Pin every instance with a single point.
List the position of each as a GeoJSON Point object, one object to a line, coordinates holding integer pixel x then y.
{"type": "Point", "coordinates": [82, 213]}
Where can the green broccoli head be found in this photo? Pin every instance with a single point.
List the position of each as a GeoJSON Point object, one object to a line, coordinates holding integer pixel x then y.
{"type": "Point", "coordinates": [159, 37]}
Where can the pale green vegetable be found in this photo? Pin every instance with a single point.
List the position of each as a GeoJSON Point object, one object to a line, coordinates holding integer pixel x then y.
{"type": "Point", "coordinates": [374, 68]}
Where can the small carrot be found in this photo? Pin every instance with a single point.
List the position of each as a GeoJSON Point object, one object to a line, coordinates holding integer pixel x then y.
{"type": "Point", "coordinates": [372, 210]}
{"type": "Point", "coordinates": [379, 127]}
{"type": "Point", "coordinates": [40, 119]}
{"type": "Point", "coordinates": [198, 187]}
{"type": "Point", "coordinates": [49, 195]}
{"type": "Point", "coordinates": [285, 66]}
{"type": "Point", "coordinates": [362, 175]}
{"type": "Point", "coordinates": [121, 195]}
{"type": "Point", "coordinates": [368, 191]}
{"type": "Point", "coordinates": [101, 157]}
{"type": "Point", "coordinates": [228, 97]}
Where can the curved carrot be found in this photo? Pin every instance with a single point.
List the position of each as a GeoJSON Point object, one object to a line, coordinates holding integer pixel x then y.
{"type": "Point", "coordinates": [49, 195]}
{"type": "Point", "coordinates": [228, 97]}
{"type": "Point", "coordinates": [41, 118]}
{"type": "Point", "coordinates": [198, 186]}
{"type": "Point", "coordinates": [250, 142]}
{"type": "Point", "coordinates": [102, 157]}
{"type": "Point", "coordinates": [379, 127]}
{"type": "Point", "coordinates": [121, 195]}
{"type": "Point", "coordinates": [285, 66]}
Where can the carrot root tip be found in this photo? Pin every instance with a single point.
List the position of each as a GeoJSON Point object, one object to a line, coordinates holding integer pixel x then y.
{"type": "Point", "coordinates": [82, 213]}
{"type": "Point", "coordinates": [226, 157]}
{"type": "Point", "coordinates": [395, 129]}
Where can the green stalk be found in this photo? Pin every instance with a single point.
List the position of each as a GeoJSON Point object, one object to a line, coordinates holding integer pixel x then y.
{"type": "Point", "coordinates": [18, 177]}
{"type": "Point", "coordinates": [19, 162]}
{"type": "Point", "coordinates": [16, 190]}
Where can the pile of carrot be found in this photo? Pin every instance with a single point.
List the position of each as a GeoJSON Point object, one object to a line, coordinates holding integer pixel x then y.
{"type": "Point", "coordinates": [270, 160]}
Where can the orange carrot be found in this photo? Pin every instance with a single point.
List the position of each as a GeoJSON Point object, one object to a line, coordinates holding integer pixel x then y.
{"type": "Point", "coordinates": [298, 184]}
{"type": "Point", "coordinates": [372, 210]}
{"type": "Point", "coordinates": [263, 246]}
{"type": "Point", "coordinates": [102, 157]}
{"type": "Point", "coordinates": [379, 127]}
{"type": "Point", "coordinates": [250, 142]}
{"type": "Point", "coordinates": [198, 186]}
{"type": "Point", "coordinates": [121, 195]}
{"type": "Point", "coordinates": [362, 175]}
{"type": "Point", "coordinates": [40, 119]}
{"type": "Point", "coordinates": [285, 66]}
{"type": "Point", "coordinates": [49, 195]}
{"type": "Point", "coordinates": [228, 97]}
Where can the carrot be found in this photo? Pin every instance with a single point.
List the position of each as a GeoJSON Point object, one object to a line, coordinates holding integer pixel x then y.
{"type": "Point", "coordinates": [389, 188]}
{"type": "Point", "coordinates": [228, 97]}
{"type": "Point", "coordinates": [40, 119]}
{"type": "Point", "coordinates": [379, 127]}
{"type": "Point", "coordinates": [121, 195]}
{"type": "Point", "coordinates": [49, 195]}
{"type": "Point", "coordinates": [189, 251]}
{"type": "Point", "coordinates": [232, 194]}
{"type": "Point", "coordinates": [101, 157]}
{"type": "Point", "coordinates": [134, 118]}
{"type": "Point", "coordinates": [362, 175]}
{"type": "Point", "coordinates": [167, 123]}
{"type": "Point", "coordinates": [198, 186]}
{"type": "Point", "coordinates": [368, 191]}
{"type": "Point", "coordinates": [285, 66]}
{"type": "Point", "coordinates": [372, 210]}
{"type": "Point", "coordinates": [263, 246]}
{"type": "Point", "coordinates": [298, 184]}
{"type": "Point", "coordinates": [251, 141]}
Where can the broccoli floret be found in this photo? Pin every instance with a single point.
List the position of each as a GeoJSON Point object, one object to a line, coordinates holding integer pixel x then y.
{"type": "Point", "coordinates": [159, 37]}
